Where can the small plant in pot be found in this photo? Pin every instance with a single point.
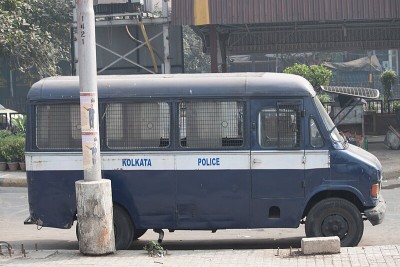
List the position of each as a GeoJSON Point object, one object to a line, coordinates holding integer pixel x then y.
{"type": "Point", "coordinates": [10, 152]}
{"type": "Point", "coordinates": [3, 162]}
{"type": "Point", "coordinates": [4, 135]}
{"type": "Point", "coordinates": [20, 151]}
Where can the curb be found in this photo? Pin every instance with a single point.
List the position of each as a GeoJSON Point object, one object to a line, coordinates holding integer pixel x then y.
{"type": "Point", "coordinates": [12, 182]}
{"type": "Point", "coordinates": [13, 179]}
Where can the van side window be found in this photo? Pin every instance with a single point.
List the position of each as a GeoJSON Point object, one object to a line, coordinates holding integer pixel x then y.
{"type": "Point", "coordinates": [137, 125]}
{"type": "Point", "coordinates": [316, 139]}
{"type": "Point", "coordinates": [58, 127]}
{"type": "Point", "coordinates": [279, 127]}
{"type": "Point", "coordinates": [211, 124]}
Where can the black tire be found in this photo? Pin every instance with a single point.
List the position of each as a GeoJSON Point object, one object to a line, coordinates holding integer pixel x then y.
{"type": "Point", "coordinates": [123, 228]}
{"type": "Point", "coordinates": [138, 233]}
{"type": "Point", "coordinates": [335, 217]}
{"type": "Point", "coordinates": [77, 231]}
{"type": "Point", "coordinates": [124, 232]}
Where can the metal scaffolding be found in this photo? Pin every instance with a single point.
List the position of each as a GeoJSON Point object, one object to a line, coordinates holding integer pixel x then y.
{"type": "Point", "coordinates": [143, 21]}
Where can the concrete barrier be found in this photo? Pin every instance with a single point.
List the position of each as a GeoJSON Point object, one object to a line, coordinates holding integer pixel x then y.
{"type": "Point", "coordinates": [320, 245]}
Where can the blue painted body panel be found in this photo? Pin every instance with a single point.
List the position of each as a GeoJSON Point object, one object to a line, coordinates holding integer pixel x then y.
{"type": "Point", "coordinates": [52, 197]}
{"type": "Point", "coordinates": [356, 170]}
{"type": "Point", "coordinates": [277, 184]}
{"type": "Point", "coordinates": [167, 200]}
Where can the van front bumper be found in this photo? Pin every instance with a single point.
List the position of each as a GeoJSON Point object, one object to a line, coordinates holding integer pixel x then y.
{"type": "Point", "coordinates": [377, 213]}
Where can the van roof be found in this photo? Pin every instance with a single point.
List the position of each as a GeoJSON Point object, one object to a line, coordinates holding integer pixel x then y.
{"type": "Point", "coordinates": [176, 85]}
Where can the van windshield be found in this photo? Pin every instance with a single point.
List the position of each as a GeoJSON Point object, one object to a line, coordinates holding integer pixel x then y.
{"type": "Point", "coordinates": [330, 126]}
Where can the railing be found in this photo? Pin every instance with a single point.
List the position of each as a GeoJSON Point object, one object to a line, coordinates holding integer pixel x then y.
{"type": "Point", "coordinates": [375, 105]}
{"type": "Point", "coordinates": [391, 104]}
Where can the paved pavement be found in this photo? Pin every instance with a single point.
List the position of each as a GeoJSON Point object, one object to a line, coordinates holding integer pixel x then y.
{"type": "Point", "coordinates": [357, 256]}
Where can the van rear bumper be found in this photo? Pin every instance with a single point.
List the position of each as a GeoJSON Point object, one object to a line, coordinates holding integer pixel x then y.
{"type": "Point", "coordinates": [377, 213]}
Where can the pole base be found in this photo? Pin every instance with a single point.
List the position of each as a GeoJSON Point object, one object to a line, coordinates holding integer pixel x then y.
{"type": "Point", "coordinates": [95, 217]}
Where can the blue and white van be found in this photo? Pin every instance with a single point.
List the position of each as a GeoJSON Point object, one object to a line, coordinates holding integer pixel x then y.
{"type": "Point", "coordinates": [202, 152]}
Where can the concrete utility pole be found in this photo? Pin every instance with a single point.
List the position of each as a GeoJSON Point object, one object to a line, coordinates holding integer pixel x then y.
{"type": "Point", "coordinates": [93, 194]}
{"type": "Point", "coordinates": [167, 61]}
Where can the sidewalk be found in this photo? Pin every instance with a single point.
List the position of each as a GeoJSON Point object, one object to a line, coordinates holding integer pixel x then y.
{"type": "Point", "coordinates": [357, 256]}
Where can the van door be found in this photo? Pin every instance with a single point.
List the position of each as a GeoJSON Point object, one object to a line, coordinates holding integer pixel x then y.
{"type": "Point", "coordinates": [213, 172]}
{"type": "Point", "coordinates": [277, 162]}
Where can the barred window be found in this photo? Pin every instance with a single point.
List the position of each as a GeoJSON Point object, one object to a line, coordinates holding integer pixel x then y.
{"type": "Point", "coordinates": [279, 127]}
{"type": "Point", "coordinates": [58, 127]}
{"type": "Point", "coordinates": [211, 124]}
{"type": "Point", "coordinates": [137, 125]}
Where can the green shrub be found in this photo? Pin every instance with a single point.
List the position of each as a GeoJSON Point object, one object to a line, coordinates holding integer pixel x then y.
{"type": "Point", "coordinates": [5, 133]}
{"type": "Point", "coordinates": [316, 75]}
{"type": "Point", "coordinates": [13, 148]}
{"type": "Point", "coordinates": [2, 157]}
{"type": "Point", "coordinates": [20, 148]}
{"type": "Point", "coordinates": [19, 124]}
{"type": "Point", "coordinates": [396, 105]}
{"type": "Point", "coordinates": [388, 79]}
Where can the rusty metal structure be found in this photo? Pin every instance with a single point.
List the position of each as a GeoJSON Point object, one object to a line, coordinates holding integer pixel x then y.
{"type": "Point", "coordinates": [281, 26]}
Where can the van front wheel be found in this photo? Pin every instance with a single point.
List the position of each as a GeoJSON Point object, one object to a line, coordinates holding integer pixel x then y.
{"type": "Point", "coordinates": [335, 217]}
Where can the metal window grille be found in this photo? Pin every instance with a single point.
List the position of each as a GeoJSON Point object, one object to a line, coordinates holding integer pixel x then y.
{"type": "Point", "coordinates": [58, 127]}
{"type": "Point", "coordinates": [138, 125]}
{"type": "Point", "coordinates": [211, 124]}
{"type": "Point", "coordinates": [279, 127]}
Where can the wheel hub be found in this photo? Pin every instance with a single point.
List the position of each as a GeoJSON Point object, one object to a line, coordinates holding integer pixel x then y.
{"type": "Point", "coordinates": [335, 225]}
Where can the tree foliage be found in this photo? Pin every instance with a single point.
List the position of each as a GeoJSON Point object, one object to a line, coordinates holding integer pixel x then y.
{"type": "Point", "coordinates": [34, 35]}
{"type": "Point", "coordinates": [315, 74]}
{"type": "Point", "coordinates": [194, 58]}
{"type": "Point", "coordinates": [387, 79]}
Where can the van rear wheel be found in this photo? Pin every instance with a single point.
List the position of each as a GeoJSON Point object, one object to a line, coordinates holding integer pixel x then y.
{"type": "Point", "coordinates": [123, 228]}
{"type": "Point", "coordinates": [335, 217]}
{"type": "Point", "coordinates": [124, 231]}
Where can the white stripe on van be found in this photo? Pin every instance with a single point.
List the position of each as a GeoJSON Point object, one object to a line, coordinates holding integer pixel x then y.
{"type": "Point", "coordinates": [182, 160]}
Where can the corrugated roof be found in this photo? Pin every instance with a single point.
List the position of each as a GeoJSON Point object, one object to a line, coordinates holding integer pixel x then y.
{"type": "Point", "coordinates": [280, 11]}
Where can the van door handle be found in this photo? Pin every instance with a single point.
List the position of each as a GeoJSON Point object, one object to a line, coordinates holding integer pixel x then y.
{"type": "Point", "coordinates": [255, 161]}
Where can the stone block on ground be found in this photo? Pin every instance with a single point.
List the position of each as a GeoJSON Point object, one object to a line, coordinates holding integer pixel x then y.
{"type": "Point", "coordinates": [320, 245]}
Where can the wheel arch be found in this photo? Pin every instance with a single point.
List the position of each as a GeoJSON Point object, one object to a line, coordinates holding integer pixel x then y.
{"type": "Point", "coordinates": [344, 194]}
{"type": "Point", "coordinates": [75, 216]}
{"type": "Point", "coordinates": [116, 203]}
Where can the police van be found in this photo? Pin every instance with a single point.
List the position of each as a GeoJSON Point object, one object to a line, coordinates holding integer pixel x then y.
{"type": "Point", "coordinates": [202, 152]}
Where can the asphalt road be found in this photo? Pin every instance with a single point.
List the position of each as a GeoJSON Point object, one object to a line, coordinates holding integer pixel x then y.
{"type": "Point", "coordinates": [14, 210]}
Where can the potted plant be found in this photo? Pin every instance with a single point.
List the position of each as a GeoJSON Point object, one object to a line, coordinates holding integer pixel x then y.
{"type": "Point", "coordinates": [10, 152]}
{"type": "Point", "coordinates": [4, 134]}
{"type": "Point", "coordinates": [3, 163]}
{"type": "Point", "coordinates": [20, 151]}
